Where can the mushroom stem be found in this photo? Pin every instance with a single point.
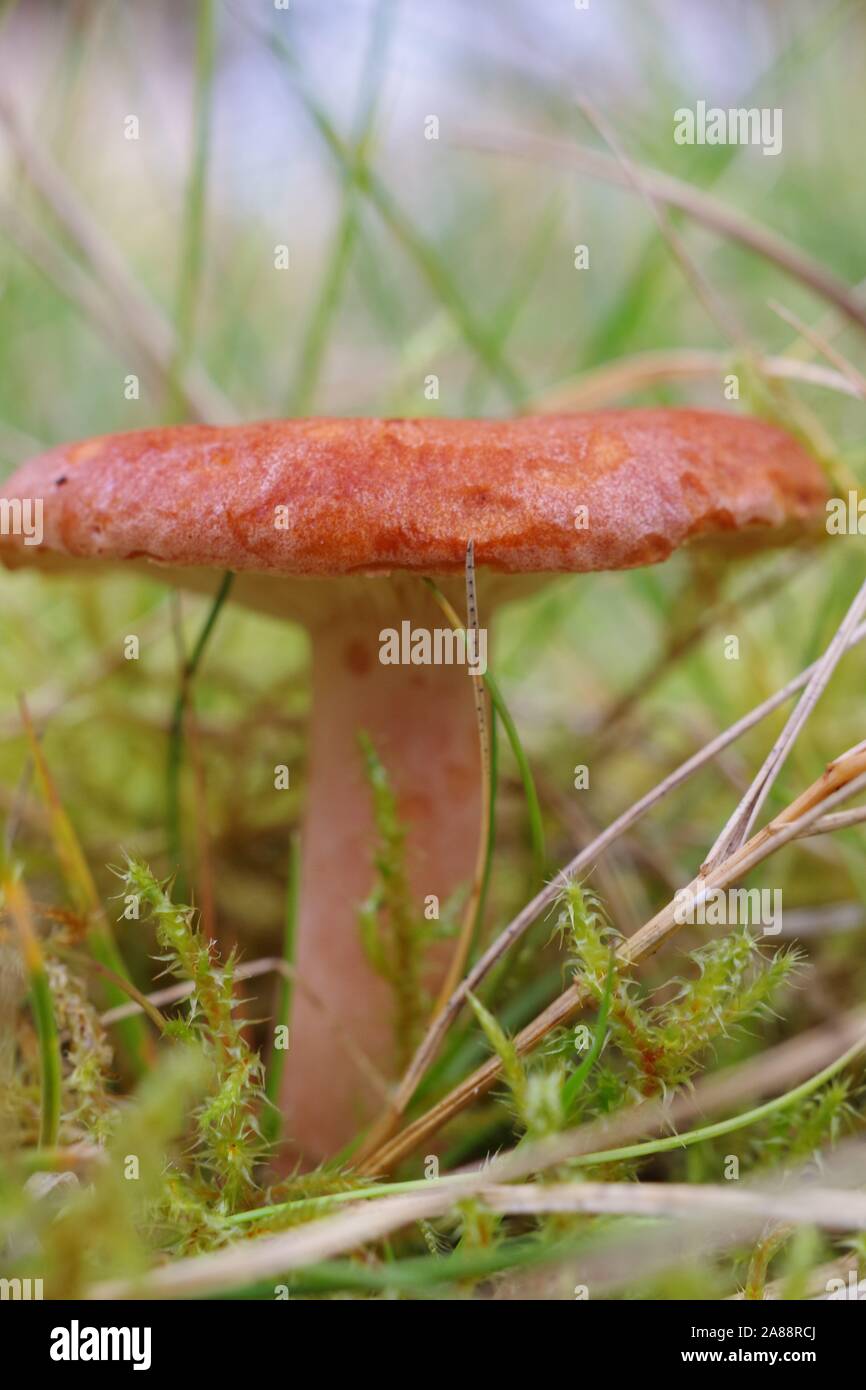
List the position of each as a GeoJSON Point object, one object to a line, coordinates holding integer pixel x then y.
{"type": "Point", "coordinates": [421, 722]}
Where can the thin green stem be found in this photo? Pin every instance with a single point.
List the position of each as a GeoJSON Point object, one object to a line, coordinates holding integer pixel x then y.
{"type": "Point", "coordinates": [122, 985]}
{"type": "Point", "coordinates": [176, 732]}
{"type": "Point", "coordinates": [17, 901]}
{"type": "Point", "coordinates": [356, 1194]}
{"type": "Point", "coordinates": [749, 1117]}
{"type": "Point", "coordinates": [49, 1057]}
{"type": "Point", "coordinates": [536, 826]}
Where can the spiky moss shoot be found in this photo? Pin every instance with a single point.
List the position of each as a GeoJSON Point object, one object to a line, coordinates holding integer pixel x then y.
{"type": "Point", "coordinates": [536, 1094]}
{"type": "Point", "coordinates": [480, 1228]}
{"type": "Point", "coordinates": [436, 1241]}
{"type": "Point", "coordinates": [303, 1197]}
{"type": "Point", "coordinates": [513, 1069]}
{"type": "Point", "coordinates": [582, 922]}
{"type": "Point", "coordinates": [229, 1139]}
{"type": "Point", "coordinates": [735, 982]}
{"type": "Point", "coordinates": [393, 934]}
{"type": "Point", "coordinates": [662, 1046]}
{"type": "Point", "coordinates": [795, 1135]}
{"type": "Point", "coordinates": [545, 1111]}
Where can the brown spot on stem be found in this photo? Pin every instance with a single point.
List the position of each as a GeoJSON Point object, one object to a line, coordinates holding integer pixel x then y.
{"type": "Point", "coordinates": [357, 658]}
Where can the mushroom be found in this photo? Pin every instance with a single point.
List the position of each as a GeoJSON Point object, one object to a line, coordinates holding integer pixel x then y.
{"type": "Point", "coordinates": [333, 523]}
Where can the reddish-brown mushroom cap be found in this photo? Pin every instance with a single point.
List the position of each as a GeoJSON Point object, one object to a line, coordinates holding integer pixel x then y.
{"type": "Point", "coordinates": [342, 497]}
{"type": "Point", "coordinates": [304, 511]}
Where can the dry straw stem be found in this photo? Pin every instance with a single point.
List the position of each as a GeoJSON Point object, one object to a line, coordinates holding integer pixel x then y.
{"type": "Point", "coordinates": [700, 206]}
{"type": "Point", "coordinates": [66, 275]}
{"type": "Point", "coordinates": [584, 860]}
{"type": "Point", "coordinates": [482, 715]}
{"type": "Point", "coordinates": [838, 820]}
{"type": "Point", "coordinates": [76, 871]}
{"type": "Point", "coordinates": [269, 1255]}
{"type": "Point", "coordinates": [739, 1212]}
{"type": "Point", "coordinates": [843, 778]}
{"type": "Point", "coordinates": [826, 1207]}
{"type": "Point", "coordinates": [627, 375]}
{"type": "Point", "coordinates": [716, 307]}
{"type": "Point", "coordinates": [829, 325]}
{"type": "Point", "coordinates": [824, 919]}
{"type": "Point", "coordinates": [141, 316]}
{"type": "Point", "coordinates": [141, 1004]}
{"type": "Point", "coordinates": [641, 1253]}
{"type": "Point", "coordinates": [816, 339]}
{"type": "Point", "coordinates": [682, 639]}
{"type": "Point", "coordinates": [82, 891]}
{"type": "Point", "coordinates": [721, 1214]}
{"type": "Point", "coordinates": [743, 818]}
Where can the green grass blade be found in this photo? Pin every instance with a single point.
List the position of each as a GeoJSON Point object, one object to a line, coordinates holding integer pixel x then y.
{"type": "Point", "coordinates": [315, 338]}
{"type": "Point", "coordinates": [84, 897]}
{"type": "Point", "coordinates": [533, 808]}
{"type": "Point", "coordinates": [176, 732]}
{"type": "Point", "coordinates": [426, 259]}
{"type": "Point", "coordinates": [21, 911]}
{"type": "Point", "coordinates": [192, 246]}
